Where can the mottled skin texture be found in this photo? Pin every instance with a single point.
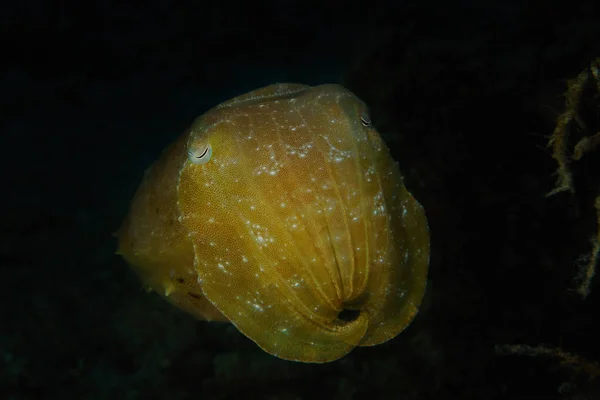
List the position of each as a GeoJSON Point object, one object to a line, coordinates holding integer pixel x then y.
{"type": "Point", "coordinates": [299, 214]}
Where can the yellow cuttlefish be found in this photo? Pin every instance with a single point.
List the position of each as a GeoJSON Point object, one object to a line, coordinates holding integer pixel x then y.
{"type": "Point", "coordinates": [282, 211]}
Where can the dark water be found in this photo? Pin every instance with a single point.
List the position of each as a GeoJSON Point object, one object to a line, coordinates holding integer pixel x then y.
{"type": "Point", "coordinates": [466, 94]}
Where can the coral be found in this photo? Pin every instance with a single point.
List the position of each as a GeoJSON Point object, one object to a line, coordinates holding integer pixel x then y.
{"type": "Point", "coordinates": [582, 113]}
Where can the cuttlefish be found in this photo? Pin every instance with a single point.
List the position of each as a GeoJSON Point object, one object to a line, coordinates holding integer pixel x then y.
{"type": "Point", "coordinates": [282, 212]}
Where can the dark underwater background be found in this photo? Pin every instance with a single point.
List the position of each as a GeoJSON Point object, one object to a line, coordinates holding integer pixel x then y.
{"type": "Point", "coordinates": [465, 93]}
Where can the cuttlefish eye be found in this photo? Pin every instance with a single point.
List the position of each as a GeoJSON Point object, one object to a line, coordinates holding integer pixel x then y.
{"type": "Point", "coordinates": [365, 119]}
{"type": "Point", "coordinates": [200, 155]}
